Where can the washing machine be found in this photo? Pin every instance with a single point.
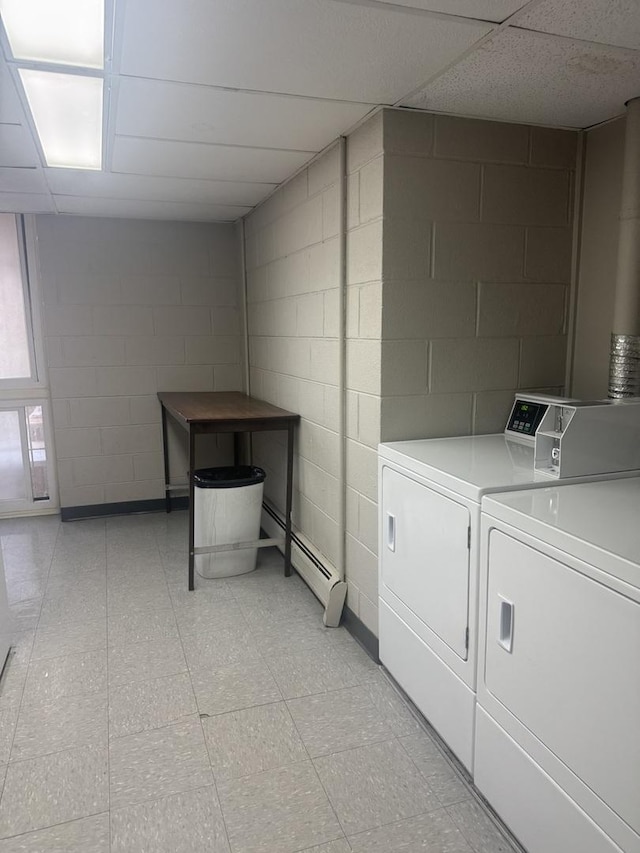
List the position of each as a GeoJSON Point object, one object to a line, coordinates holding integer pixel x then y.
{"type": "Point", "coordinates": [430, 496]}
{"type": "Point", "coordinates": [557, 746]}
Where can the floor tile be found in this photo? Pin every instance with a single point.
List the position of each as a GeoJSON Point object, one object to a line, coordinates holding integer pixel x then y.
{"type": "Point", "coordinates": [53, 789]}
{"type": "Point", "coordinates": [21, 646]}
{"type": "Point", "coordinates": [479, 830]}
{"type": "Point", "coordinates": [134, 600]}
{"type": "Point", "coordinates": [65, 639]}
{"type": "Point", "coordinates": [244, 644]}
{"type": "Point", "coordinates": [63, 724]}
{"type": "Point", "coordinates": [304, 672]}
{"type": "Point", "coordinates": [342, 719]}
{"type": "Point", "coordinates": [428, 833]}
{"type": "Point", "coordinates": [144, 705]}
{"type": "Point", "coordinates": [339, 846]}
{"type": "Point", "coordinates": [282, 810]}
{"type": "Point", "coordinates": [25, 614]}
{"type": "Point", "coordinates": [128, 628]}
{"type": "Point", "coordinates": [374, 785]}
{"type": "Point", "coordinates": [24, 589]}
{"type": "Point", "coordinates": [443, 780]}
{"type": "Point", "coordinates": [77, 562]}
{"type": "Point", "coordinates": [73, 607]}
{"type": "Point", "coordinates": [234, 687]}
{"type": "Point", "coordinates": [269, 612]}
{"type": "Point", "coordinates": [87, 835]}
{"type": "Point", "coordinates": [182, 823]}
{"type": "Point", "coordinates": [392, 707]}
{"type": "Point", "coordinates": [12, 683]}
{"type": "Point", "coordinates": [158, 763]}
{"type": "Point", "coordinates": [225, 646]}
{"type": "Point", "coordinates": [299, 634]}
{"type": "Point", "coordinates": [143, 661]}
{"type": "Point", "coordinates": [86, 585]}
{"type": "Point", "coordinates": [69, 675]}
{"type": "Point", "coordinates": [215, 589]}
{"type": "Point", "coordinates": [253, 740]}
{"type": "Point", "coordinates": [206, 614]}
{"type": "Point", "coordinates": [8, 720]}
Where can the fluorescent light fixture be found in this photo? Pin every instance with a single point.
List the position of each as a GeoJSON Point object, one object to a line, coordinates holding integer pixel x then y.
{"type": "Point", "coordinates": [68, 32]}
{"type": "Point", "coordinates": [67, 111]}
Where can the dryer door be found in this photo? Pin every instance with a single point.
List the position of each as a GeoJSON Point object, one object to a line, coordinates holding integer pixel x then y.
{"type": "Point", "coordinates": [425, 556]}
{"type": "Point", "coordinates": [562, 656]}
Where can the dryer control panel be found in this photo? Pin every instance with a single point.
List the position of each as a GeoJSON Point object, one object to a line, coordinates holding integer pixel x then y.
{"type": "Point", "coordinates": [526, 415]}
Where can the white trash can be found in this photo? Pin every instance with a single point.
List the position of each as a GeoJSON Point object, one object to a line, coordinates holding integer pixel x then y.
{"type": "Point", "coordinates": [228, 504]}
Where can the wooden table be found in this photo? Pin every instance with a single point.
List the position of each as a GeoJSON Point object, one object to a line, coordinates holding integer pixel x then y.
{"type": "Point", "coordinates": [204, 412]}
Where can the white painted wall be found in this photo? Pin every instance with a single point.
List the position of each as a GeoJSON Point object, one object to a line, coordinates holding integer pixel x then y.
{"type": "Point", "coordinates": [132, 307]}
{"type": "Point", "coordinates": [604, 151]}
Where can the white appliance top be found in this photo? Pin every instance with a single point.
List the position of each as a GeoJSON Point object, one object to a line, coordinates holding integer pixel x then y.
{"type": "Point", "coordinates": [470, 465]}
{"type": "Point", "coordinates": [596, 522]}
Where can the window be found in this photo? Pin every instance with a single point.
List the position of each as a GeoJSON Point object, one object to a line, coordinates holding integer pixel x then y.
{"type": "Point", "coordinates": [27, 478]}
{"type": "Point", "coordinates": [16, 338]}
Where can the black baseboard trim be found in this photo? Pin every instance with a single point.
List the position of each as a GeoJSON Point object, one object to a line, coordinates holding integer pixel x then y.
{"type": "Point", "coordinates": [74, 513]}
{"type": "Point", "coordinates": [361, 633]}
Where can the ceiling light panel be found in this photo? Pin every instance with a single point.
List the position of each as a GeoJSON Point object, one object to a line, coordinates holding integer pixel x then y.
{"type": "Point", "coordinates": [591, 20]}
{"type": "Point", "coordinates": [67, 112]}
{"type": "Point", "coordinates": [343, 51]}
{"type": "Point", "coordinates": [536, 79]}
{"type": "Point", "coordinates": [68, 32]}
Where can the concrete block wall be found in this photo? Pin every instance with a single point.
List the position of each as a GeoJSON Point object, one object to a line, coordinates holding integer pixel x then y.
{"type": "Point", "coordinates": [130, 308]}
{"type": "Point", "coordinates": [292, 254]}
{"type": "Point", "coordinates": [365, 171]}
{"type": "Point", "coordinates": [476, 270]}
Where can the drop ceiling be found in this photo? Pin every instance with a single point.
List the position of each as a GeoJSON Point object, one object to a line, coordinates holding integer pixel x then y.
{"type": "Point", "coordinates": [212, 103]}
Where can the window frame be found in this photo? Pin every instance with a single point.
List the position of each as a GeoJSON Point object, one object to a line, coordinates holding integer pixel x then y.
{"type": "Point", "coordinates": [37, 381]}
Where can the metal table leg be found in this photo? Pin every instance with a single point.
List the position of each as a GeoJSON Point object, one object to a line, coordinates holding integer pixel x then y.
{"type": "Point", "coordinates": [287, 535]}
{"type": "Point", "coordinates": [192, 460]}
{"type": "Point", "coordinates": [165, 449]}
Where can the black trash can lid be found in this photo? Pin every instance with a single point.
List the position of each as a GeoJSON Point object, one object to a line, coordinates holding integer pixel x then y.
{"type": "Point", "coordinates": [229, 477]}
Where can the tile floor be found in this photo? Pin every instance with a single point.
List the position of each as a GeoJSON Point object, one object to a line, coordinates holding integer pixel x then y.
{"type": "Point", "coordinates": [136, 717]}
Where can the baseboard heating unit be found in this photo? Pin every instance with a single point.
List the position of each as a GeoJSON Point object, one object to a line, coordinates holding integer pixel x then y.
{"type": "Point", "coordinates": [323, 580]}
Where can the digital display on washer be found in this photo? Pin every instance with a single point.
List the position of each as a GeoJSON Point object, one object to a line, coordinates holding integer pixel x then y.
{"type": "Point", "coordinates": [525, 417]}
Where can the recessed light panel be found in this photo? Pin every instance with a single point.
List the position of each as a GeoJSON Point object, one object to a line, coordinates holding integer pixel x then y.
{"type": "Point", "coordinates": [67, 111]}
{"type": "Point", "coordinates": [68, 32]}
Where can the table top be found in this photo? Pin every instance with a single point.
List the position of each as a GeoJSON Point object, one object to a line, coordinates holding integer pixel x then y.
{"type": "Point", "coordinates": [221, 407]}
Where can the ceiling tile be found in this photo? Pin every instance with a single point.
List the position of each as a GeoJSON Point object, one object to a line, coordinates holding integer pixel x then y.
{"type": "Point", "coordinates": [346, 51]}
{"type": "Point", "coordinates": [16, 146]}
{"type": "Point", "coordinates": [22, 180]}
{"type": "Point", "coordinates": [135, 209]}
{"type": "Point", "coordinates": [26, 203]}
{"type": "Point", "coordinates": [191, 113]}
{"type": "Point", "coordinates": [144, 188]}
{"type": "Point", "coordinates": [602, 21]}
{"type": "Point", "coordinates": [527, 77]}
{"type": "Point", "coordinates": [211, 162]}
{"type": "Point", "coordinates": [483, 10]}
{"type": "Point", "coordinates": [11, 110]}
